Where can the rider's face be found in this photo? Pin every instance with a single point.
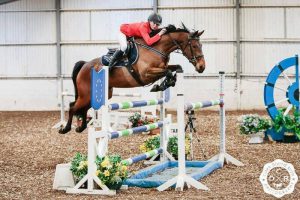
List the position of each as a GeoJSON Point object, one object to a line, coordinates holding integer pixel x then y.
{"type": "Point", "coordinates": [154, 26]}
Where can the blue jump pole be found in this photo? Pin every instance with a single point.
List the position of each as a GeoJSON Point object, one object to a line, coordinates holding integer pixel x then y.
{"type": "Point", "coordinates": [139, 129]}
{"type": "Point", "coordinates": [143, 156]}
{"type": "Point", "coordinates": [202, 104]}
{"type": "Point", "coordinates": [134, 104]}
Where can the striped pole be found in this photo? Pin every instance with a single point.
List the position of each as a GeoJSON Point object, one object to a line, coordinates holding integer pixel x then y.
{"type": "Point", "coordinates": [143, 156]}
{"type": "Point", "coordinates": [202, 104]}
{"type": "Point", "coordinates": [127, 95]}
{"type": "Point", "coordinates": [144, 128]}
{"type": "Point", "coordinates": [134, 104]}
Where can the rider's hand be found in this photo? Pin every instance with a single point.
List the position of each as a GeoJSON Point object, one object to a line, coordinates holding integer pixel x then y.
{"type": "Point", "coordinates": [162, 31]}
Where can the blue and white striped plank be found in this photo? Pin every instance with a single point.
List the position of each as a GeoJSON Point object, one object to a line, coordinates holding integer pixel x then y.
{"type": "Point", "coordinates": [134, 104]}
{"type": "Point", "coordinates": [143, 156]}
{"type": "Point", "coordinates": [201, 104]}
{"type": "Point", "coordinates": [139, 129]}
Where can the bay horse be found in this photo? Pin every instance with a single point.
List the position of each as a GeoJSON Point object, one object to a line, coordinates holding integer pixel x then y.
{"type": "Point", "coordinates": [152, 64]}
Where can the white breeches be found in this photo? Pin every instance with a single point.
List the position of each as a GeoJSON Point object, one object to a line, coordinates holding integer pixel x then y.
{"type": "Point", "coordinates": [123, 41]}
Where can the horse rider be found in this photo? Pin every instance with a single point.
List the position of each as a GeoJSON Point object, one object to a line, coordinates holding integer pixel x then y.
{"type": "Point", "coordinates": [140, 30]}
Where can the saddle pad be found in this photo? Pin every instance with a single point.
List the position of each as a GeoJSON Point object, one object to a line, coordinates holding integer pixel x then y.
{"type": "Point", "coordinates": [132, 56]}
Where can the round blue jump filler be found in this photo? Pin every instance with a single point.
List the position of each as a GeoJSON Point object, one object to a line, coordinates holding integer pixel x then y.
{"type": "Point", "coordinates": [292, 92]}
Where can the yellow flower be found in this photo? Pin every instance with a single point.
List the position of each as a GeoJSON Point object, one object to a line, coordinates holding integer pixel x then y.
{"type": "Point", "coordinates": [106, 173]}
{"type": "Point", "coordinates": [86, 163]}
{"type": "Point", "coordinates": [105, 162]}
{"type": "Point", "coordinates": [124, 168]}
{"type": "Point", "coordinates": [143, 148]}
{"type": "Point", "coordinates": [82, 164]}
{"type": "Point", "coordinates": [97, 172]}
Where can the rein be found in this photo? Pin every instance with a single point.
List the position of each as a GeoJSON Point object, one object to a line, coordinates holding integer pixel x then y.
{"type": "Point", "coordinates": [194, 58]}
{"type": "Point", "coordinates": [165, 56]}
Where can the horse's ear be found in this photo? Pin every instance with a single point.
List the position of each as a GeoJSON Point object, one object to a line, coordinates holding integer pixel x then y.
{"type": "Point", "coordinates": [184, 27]}
{"type": "Point", "coordinates": [195, 34]}
{"type": "Point", "coordinates": [199, 34]}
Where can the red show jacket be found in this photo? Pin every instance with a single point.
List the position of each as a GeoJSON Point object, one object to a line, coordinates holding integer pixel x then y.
{"type": "Point", "coordinates": [141, 29]}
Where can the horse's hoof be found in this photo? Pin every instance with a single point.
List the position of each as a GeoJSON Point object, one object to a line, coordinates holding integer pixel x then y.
{"type": "Point", "coordinates": [155, 88]}
{"type": "Point", "coordinates": [80, 129]}
{"type": "Point", "coordinates": [63, 130]}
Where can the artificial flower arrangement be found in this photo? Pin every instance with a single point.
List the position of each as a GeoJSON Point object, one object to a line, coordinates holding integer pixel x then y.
{"type": "Point", "coordinates": [253, 123]}
{"type": "Point", "coordinates": [137, 120]}
{"type": "Point", "coordinates": [110, 169]}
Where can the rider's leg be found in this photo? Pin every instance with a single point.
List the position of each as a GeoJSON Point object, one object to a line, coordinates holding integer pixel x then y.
{"type": "Point", "coordinates": [119, 53]}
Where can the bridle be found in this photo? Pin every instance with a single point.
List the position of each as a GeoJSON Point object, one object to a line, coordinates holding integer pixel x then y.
{"type": "Point", "coordinates": [192, 60]}
{"type": "Point", "coordinates": [194, 57]}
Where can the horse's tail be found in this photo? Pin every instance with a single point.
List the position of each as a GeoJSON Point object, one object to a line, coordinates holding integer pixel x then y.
{"type": "Point", "coordinates": [75, 72]}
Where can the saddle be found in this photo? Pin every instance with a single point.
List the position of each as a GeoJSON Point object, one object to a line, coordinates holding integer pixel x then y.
{"type": "Point", "coordinates": [130, 57]}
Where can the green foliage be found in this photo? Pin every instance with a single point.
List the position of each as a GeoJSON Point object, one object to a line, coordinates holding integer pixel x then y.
{"type": "Point", "coordinates": [150, 144]}
{"type": "Point", "coordinates": [289, 122]}
{"type": "Point", "coordinates": [172, 146]}
{"type": "Point", "coordinates": [110, 170]}
{"type": "Point", "coordinates": [79, 166]}
{"type": "Point", "coordinates": [253, 123]}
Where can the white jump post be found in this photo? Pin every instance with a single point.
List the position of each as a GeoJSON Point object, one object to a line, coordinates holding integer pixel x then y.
{"type": "Point", "coordinates": [182, 178]}
{"type": "Point", "coordinates": [61, 96]}
{"type": "Point", "coordinates": [223, 156]}
{"type": "Point", "coordinates": [93, 134]}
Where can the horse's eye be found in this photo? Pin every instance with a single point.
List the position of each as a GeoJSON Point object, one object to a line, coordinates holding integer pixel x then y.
{"type": "Point", "coordinates": [194, 46]}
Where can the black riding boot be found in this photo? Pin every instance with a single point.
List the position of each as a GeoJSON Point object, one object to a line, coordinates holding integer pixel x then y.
{"type": "Point", "coordinates": [117, 55]}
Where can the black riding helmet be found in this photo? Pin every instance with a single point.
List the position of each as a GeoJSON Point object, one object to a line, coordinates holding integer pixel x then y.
{"type": "Point", "coordinates": [155, 18]}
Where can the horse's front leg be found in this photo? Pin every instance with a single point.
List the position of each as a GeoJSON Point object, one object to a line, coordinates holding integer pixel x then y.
{"type": "Point", "coordinates": [156, 72]}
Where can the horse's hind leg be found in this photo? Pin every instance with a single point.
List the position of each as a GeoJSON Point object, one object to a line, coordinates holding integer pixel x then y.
{"type": "Point", "coordinates": [68, 126]}
{"type": "Point", "coordinates": [83, 113]}
{"type": "Point", "coordinates": [79, 104]}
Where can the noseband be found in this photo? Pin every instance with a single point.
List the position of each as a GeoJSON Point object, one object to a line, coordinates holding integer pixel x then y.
{"type": "Point", "coordinates": [194, 57]}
